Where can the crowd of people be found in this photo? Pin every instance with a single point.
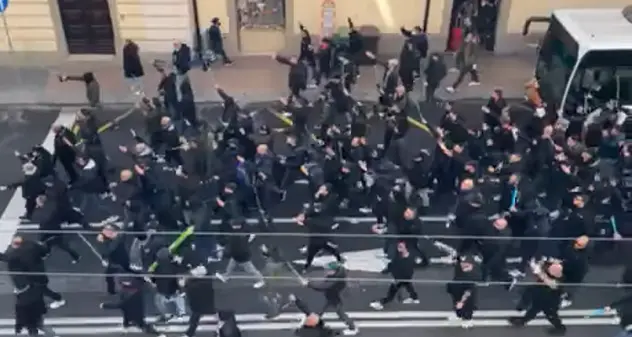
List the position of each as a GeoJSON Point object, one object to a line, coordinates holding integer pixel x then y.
{"type": "Point", "coordinates": [535, 180]}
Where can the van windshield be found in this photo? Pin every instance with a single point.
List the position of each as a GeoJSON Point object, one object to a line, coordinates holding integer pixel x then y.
{"type": "Point", "coordinates": [605, 74]}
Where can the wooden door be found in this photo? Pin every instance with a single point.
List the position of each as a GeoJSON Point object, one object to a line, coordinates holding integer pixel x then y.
{"type": "Point", "coordinates": [87, 26]}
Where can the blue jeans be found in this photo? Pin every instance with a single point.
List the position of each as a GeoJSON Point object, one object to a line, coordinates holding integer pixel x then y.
{"type": "Point", "coordinates": [173, 305]}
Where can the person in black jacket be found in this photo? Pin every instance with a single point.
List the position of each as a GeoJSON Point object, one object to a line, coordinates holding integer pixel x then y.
{"type": "Point", "coordinates": [312, 325]}
{"type": "Point", "coordinates": [27, 256]}
{"type": "Point", "coordinates": [200, 296]}
{"type": "Point", "coordinates": [114, 255]}
{"type": "Point", "coordinates": [92, 185]}
{"type": "Point", "coordinates": [132, 305]}
{"type": "Point", "coordinates": [30, 309]}
{"type": "Point", "coordinates": [240, 255]}
{"type": "Point", "coordinates": [307, 53]}
{"type": "Point", "coordinates": [419, 41]}
{"type": "Point", "coordinates": [132, 66]}
{"type": "Point", "coordinates": [319, 221]}
{"type": "Point", "coordinates": [332, 286]}
{"type": "Point", "coordinates": [181, 58]}
{"type": "Point", "coordinates": [216, 41]}
{"type": "Point", "coordinates": [32, 186]}
{"type": "Point", "coordinates": [167, 288]}
{"type": "Point", "coordinates": [297, 77]}
{"type": "Point", "coordinates": [56, 211]}
{"type": "Point", "coordinates": [544, 296]}
{"type": "Point", "coordinates": [435, 72]}
{"type": "Point", "coordinates": [462, 290]}
{"type": "Point", "coordinates": [402, 268]}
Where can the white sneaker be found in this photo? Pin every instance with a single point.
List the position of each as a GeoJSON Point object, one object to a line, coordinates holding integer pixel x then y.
{"type": "Point", "coordinates": [473, 84]}
{"type": "Point", "coordinates": [454, 70]}
{"type": "Point", "coordinates": [259, 284]}
{"type": "Point", "coordinates": [251, 237]}
{"type": "Point", "coordinates": [565, 303]}
{"type": "Point", "coordinates": [450, 90]}
{"type": "Point", "coordinates": [410, 301]}
{"type": "Point", "coordinates": [220, 277]}
{"type": "Point", "coordinates": [57, 304]}
{"type": "Point", "coordinates": [376, 305]}
{"type": "Point", "coordinates": [467, 324]}
{"type": "Point", "coordinates": [350, 332]}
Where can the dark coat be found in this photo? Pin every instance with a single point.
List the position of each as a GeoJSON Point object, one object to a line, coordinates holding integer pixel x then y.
{"type": "Point", "coordinates": [201, 295]}
{"type": "Point", "coordinates": [132, 67]}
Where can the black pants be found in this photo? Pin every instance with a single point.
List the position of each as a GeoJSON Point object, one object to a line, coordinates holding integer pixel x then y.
{"type": "Point", "coordinates": [394, 288]}
{"type": "Point", "coordinates": [316, 245]}
{"type": "Point", "coordinates": [467, 311]}
{"type": "Point", "coordinates": [58, 240]}
{"type": "Point", "coordinates": [194, 321]}
{"type": "Point", "coordinates": [430, 93]}
{"type": "Point", "coordinates": [174, 157]}
{"type": "Point", "coordinates": [219, 51]}
{"type": "Point", "coordinates": [69, 167]}
{"type": "Point", "coordinates": [112, 269]}
{"type": "Point", "coordinates": [133, 319]}
{"type": "Point", "coordinates": [550, 313]}
{"type": "Point", "coordinates": [53, 295]}
{"type": "Point", "coordinates": [464, 71]}
{"type": "Point", "coordinates": [336, 304]}
{"type": "Point", "coordinates": [29, 207]}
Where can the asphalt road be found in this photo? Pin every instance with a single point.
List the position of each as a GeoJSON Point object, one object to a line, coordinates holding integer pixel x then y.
{"type": "Point", "coordinates": [84, 290]}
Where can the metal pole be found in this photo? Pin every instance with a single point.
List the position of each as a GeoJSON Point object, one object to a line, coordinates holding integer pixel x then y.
{"type": "Point", "coordinates": [426, 16]}
{"type": "Point", "coordinates": [198, 34]}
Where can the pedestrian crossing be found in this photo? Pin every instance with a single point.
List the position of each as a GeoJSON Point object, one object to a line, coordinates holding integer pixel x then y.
{"type": "Point", "coordinates": [111, 325]}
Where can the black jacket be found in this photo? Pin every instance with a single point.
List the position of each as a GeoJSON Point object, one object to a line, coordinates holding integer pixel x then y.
{"type": "Point", "coordinates": [132, 67]}
{"type": "Point", "coordinates": [332, 286]}
{"type": "Point", "coordinates": [297, 77]}
{"type": "Point", "coordinates": [182, 59]}
{"type": "Point", "coordinates": [215, 40]}
{"type": "Point", "coordinates": [62, 150]}
{"type": "Point", "coordinates": [402, 268]}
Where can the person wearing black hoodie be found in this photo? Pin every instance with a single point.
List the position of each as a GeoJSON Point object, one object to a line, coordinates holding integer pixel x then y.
{"type": "Point", "coordinates": [463, 291]}
{"type": "Point", "coordinates": [312, 325]}
{"type": "Point", "coordinates": [297, 76]}
{"type": "Point", "coordinates": [402, 268]}
{"type": "Point", "coordinates": [132, 305]}
{"type": "Point", "coordinates": [92, 185]}
{"type": "Point", "coordinates": [200, 294]}
{"type": "Point", "coordinates": [307, 54]}
{"type": "Point", "coordinates": [27, 256]}
{"type": "Point", "coordinates": [216, 40]}
{"type": "Point", "coordinates": [435, 72]}
{"type": "Point", "coordinates": [240, 255]}
{"type": "Point", "coordinates": [332, 286]}
{"type": "Point", "coordinates": [30, 309]}
{"type": "Point", "coordinates": [167, 288]}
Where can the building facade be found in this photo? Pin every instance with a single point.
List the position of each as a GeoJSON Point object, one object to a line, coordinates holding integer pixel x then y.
{"type": "Point", "coordinates": [51, 31]}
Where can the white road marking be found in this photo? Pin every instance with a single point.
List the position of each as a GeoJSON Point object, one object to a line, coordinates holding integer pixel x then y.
{"type": "Point", "coordinates": [358, 315]}
{"type": "Point", "coordinates": [9, 220]}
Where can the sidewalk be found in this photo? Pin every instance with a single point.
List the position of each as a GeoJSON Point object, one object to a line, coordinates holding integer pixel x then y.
{"type": "Point", "coordinates": [249, 79]}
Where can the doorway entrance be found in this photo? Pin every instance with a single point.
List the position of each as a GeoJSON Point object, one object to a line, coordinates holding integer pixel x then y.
{"type": "Point", "coordinates": [87, 26]}
{"type": "Point", "coordinates": [482, 15]}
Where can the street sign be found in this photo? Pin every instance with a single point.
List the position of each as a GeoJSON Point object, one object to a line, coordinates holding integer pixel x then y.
{"type": "Point", "coordinates": [3, 5]}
